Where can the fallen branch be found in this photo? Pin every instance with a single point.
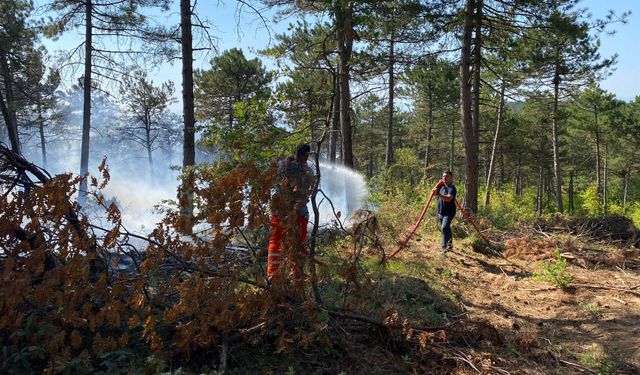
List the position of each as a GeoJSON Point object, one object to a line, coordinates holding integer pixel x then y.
{"type": "Point", "coordinates": [606, 287]}
{"type": "Point", "coordinates": [577, 366]}
{"type": "Point", "coordinates": [464, 358]}
{"type": "Point", "coordinates": [538, 289]}
{"type": "Point", "coordinates": [619, 300]}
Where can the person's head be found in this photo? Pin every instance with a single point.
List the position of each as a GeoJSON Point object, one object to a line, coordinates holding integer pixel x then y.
{"type": "Point", "coordinates": [302, 152]}
{"type": "Point", "coordinates": [447, 176]}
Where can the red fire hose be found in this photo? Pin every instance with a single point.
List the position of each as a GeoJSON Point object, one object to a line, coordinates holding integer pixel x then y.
{"type": "Point", "coordinates": [424, 211]}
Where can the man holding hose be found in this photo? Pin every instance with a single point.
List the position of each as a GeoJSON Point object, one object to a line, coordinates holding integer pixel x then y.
{"type": "Point", "coordinates": [446, 210]}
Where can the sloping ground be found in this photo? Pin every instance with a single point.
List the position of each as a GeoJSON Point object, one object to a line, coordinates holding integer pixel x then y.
{"type": "Point", "coordinates": [472, 312]}
{"type": "Point", "coordinates": [592, 326]}
{"type": "Point", "coordinates": [496, 317]}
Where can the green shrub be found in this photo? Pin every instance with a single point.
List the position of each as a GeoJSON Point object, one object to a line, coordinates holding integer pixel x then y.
{"type": "Point", "coordinates": [633, 212]}
{"type": "Point", "coordinates": [591, 308]}
{"type": "Point", "coordinates": [554, 273]}
{"type": "Point", "coordinates": [506, 209]}
{"type": "Point", "coordinates": [591, 201]}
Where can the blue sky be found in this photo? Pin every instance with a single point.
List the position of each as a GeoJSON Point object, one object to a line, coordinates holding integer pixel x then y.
{"type": "Point", "coordinates": [241, 27]}
{"type": "Point", "coordinates": [625, 80]}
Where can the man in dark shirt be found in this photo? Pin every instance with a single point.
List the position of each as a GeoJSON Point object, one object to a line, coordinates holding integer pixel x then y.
{"type": "Point", "coordinates": [446, 193]}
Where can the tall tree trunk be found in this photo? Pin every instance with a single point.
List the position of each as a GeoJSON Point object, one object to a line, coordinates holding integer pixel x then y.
{"type": "Point", "coordinates": [231, 108]}
{"type": "Point", "coordinates": [500, 179]}
{"type": "Point", "coordinates": [427, 151]}
{"type": "Point", "coordinates": [189, 144]}
{"type": "Point", "coordinates": [539, 190]}
{"type": "Point", "coordinates": [189, 154]}
{"type": "Point", "coordinates": [312, 124]}
{"type": "Point", "coordinates": [517, 182]}
{"type": "Point", "coordinates": [549, 186]}
{"type": "Point", "coordinates": [344, 23]}
{"type": "Point", "coordinates": [625, 190]}
{"type": "Point", "coordinates": [7, 104]}
{"type": "Point", "coordinates": [452, 149]}
{"type": "Point", "coordinates": [370, 154]}
{"type": "Point", "coordinates": [43, 144]}
{"type": "Point", "coordinates": [605, 197]}
{"type": "Point", "coordinates": [390, 157]}
{"type": "Point", "coordinates": [86, 111]}
{"type": "Point", "coordinates": [554, 140]}
{"type": "Point", "coordinates": [571, 193]}
{"type": "Point", "coordinates": [147, 129]}
{"type": "Point", "coordinates": [335, 120]}
{"type": "Point", "coordinates": [598, 158]}
{"type": "Point", "coordinates": [468, 105]}
{"type": "Point", "coordinates": [496, 137]}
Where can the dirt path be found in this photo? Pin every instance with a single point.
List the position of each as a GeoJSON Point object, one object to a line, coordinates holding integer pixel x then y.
{"type": "Point", "coordinates": [593, 326]}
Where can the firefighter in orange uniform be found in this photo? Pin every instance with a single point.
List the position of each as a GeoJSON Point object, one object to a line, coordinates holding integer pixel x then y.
{"type": "Point", "coordinates": [294, 185]}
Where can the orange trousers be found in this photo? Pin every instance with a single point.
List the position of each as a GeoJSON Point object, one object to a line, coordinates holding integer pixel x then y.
{"type": "Point", "coordinates": [274, 257]}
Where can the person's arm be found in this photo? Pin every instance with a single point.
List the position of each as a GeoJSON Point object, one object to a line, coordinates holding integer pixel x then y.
{"type": "Point", "coordinates": [446, 197]}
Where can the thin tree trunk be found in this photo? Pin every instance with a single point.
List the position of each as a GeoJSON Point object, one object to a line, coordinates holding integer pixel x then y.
{"type": "Point", "coordinates": [598, 159]}
{"type": "Point", "coordinates": [539, 191]}
{"type": "Point", "coordinates": [427, 152]}
{"type": "Point", "coordinates": [605, 196]}
{"type": "Point", "coordinates": [370, 154]}
{"type": "Point", "coordinates": [452, 146]}
{"type": "Point", "coordinates": [86, 113]}
{"type": "Point", "coordinates": [571, 193]}
{"type": "Point", "coordinates": [625, 190]}
{"type": "Point", "coordinates": [8, 107]}
{"type": "Point", "coordinates": [189, 148]}
{"type": "Point", "coordinates": [312, 125]}
{"type": "Point", "coordinates": [344, 24]}
{"type": "Point", "coordinates": [389, 157]}
{"type": "Point", "coordinates": [500, 180]}
{"type": "Point", "coordinates": [147, 128]}
{"type": "Point", "coordinates": [335, 120]}
{"type": "Point", "coordinates": [517, 183]}
{"type": "Point", "coordinates": [548, 186]}
{"type": "Point", "coordinates": [496, 137]}
{"type": "Point", "coordinates": [555, 142]}
{"type": "Point", "coordinates": [43, 144]}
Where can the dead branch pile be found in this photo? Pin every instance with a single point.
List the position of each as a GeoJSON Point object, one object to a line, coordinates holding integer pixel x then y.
{"type": "Point", "coordinates": [612, 228]}
{"type": "Point", "coordinates": [526, 248]}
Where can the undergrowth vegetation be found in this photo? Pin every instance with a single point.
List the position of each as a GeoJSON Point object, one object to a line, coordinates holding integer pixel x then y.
{"type": "Point", "coordinates": [555, 272]}
{"type": "Point", "coordinates": [66, 310]}
{"type": "Point", "coordinates": [190, 302]}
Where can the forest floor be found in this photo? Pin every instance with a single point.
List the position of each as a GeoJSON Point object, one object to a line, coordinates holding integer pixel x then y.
{"type": "Point", "coordinates": [499, 317]}
{"type": "Point", "coordinates": [591, 326]}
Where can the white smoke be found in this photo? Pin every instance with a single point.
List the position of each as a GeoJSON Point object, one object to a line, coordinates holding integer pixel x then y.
{"type": "Point", "coordinates": [344, 187]}
{"type": "Point", "coordinates": [135, 186]}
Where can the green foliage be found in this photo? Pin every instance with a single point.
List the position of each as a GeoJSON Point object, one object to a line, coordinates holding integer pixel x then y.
{"type": "Point", "coordinates": [592, 308]}
{"type": "Point", "coordinates": [232, 79]}
{"type": "Point", "coordinates": [247, 138]}
{"type": "Point", "coordinates": [554, 273]}
{"type": "Point", "coordinates": [597, 357]}
{"type": "Point", "coordinates": [591, 201]}
{"type": "Point", "coordinates": [506, 208]}
{"type": "Point", "coordinates": [633, 213]}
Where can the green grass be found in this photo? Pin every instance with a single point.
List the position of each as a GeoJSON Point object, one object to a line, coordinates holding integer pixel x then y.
{"type": "Point", "coordinates": [554, 273]}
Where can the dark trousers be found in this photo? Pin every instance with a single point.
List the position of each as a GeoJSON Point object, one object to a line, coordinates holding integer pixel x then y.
{"type": "Point", "coordinates": [447, 236]}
